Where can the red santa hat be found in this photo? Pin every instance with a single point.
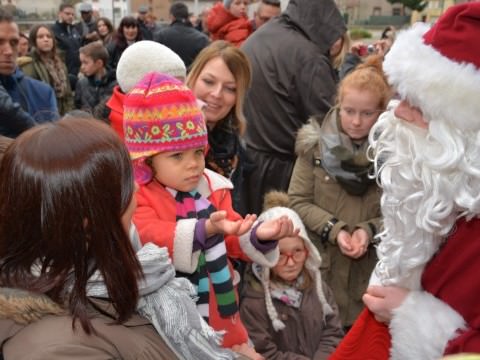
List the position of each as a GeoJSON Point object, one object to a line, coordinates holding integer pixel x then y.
{"type": "Point", "coordinates": [437, 69]}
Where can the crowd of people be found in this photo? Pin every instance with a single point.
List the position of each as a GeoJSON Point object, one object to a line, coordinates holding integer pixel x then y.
{"type": "Point", "coordinates": [239, 188]}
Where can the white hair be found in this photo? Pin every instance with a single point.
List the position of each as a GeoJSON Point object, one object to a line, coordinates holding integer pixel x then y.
{"type": "Point", "coordinates": [429, 179]}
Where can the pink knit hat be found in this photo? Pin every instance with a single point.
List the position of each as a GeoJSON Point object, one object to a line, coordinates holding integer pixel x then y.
{"type": "Point", "coordinates": [160, 114]}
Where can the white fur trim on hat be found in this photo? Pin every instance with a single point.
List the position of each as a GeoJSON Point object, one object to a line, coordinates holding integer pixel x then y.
{"type": "Point", "coordinates": [144, 57]}
{"type": "Point", "coordinates": [438, 86]}
{"type": "Point", "coordinates": [312, 264]}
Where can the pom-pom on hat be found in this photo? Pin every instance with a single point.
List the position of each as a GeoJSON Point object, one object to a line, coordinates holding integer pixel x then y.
{"type": "Point", "coordinates": [437, 69]}
{"type": "Point", "coordinates": [160, 114]}
{"type": "Point", "coordinates": [279, 202]}
{"type": "Point", "coordinates": [146, 56]}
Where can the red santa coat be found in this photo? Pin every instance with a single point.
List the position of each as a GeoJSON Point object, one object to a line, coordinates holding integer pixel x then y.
{"type": "Point", "coordinates": [442, 319]}
{"type": "Point", "coordinates": [155, 219]}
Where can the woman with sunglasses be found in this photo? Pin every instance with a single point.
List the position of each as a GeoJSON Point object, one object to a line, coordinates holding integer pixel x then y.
{"type": "Point", "coordinates": [288, 310]}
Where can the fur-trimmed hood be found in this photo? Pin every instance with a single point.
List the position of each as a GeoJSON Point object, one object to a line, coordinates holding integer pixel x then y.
{"type": "Point", "coordinates": [308, 136]}
{"type": "Point", "coordinates": [26, 307]}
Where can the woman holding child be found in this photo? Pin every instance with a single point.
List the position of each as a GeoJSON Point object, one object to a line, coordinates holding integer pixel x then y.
{"type": "Point", "coordinates": [61, 292]}
{"type": "Point", "coordinates": [331, 189]}
{"type": "Point", "coordinates": [71, 224]}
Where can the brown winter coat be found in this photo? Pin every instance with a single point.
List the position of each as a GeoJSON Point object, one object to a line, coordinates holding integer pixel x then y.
{"type": "Point", "coordinates": [317, 198]}
{"type": "Point", "coordinates": [305, 336]}
{"type": "Point", "coordinates": [33, 327]}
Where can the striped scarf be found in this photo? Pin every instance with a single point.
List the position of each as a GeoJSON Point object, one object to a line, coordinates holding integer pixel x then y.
{"type": "Point", "coordinates": [212, 263]}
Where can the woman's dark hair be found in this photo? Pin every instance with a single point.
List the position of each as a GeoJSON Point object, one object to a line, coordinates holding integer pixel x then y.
{"type": "Point", "coordinates": [64, 187]}
{"type": "Point", "coordinates": [33, 38]}
{"type": "Point", "coordinates": [127, 21]}
{"type": "Point", "coordinates": [107, 22]}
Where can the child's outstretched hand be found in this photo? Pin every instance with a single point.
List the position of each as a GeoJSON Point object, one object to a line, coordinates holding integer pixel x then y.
{"type": "Point", "coordinates": [276, 229]}
{"type": "Point", "coordinates": [219, 224]}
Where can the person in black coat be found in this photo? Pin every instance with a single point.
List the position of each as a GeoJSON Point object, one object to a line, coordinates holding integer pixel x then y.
{"type": "Point", "coordinates": [181, 36]}
{"type": "Point", "coordinates": [68, 40]}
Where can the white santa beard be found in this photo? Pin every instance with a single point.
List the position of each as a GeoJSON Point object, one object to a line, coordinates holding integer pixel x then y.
{"type": "Point", "coordinates": [428, 180]}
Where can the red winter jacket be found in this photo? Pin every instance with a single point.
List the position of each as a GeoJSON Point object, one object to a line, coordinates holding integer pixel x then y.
{"type": "Point", "coordinates": [155, 219]}
{"type": "Point", "coordinates": [222, 25]}
{"type": "Point", "coordinates": [115, 104]}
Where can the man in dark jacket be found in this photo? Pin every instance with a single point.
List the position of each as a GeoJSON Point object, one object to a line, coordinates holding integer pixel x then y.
{"type": "Point", "coordinates": [68, 40]}
{"type": "Point", "coordinates": [292, 79]}
{"type": "Point", "coordinates": [142, 24]}
{"type": "Point", "coordinates": [23, 100]}
{"type": "Point", "coordinates": [266, 10]}
{"type": "Point", "coordinates": [87, 26]}
{"type": "Point", "coordinates": [181, 36]}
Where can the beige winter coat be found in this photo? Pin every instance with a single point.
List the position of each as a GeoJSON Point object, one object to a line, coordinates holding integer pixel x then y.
{"type": "Point", "coordinates": [33, 327]}
{"type": "Point", "coordinates": [317, 197]}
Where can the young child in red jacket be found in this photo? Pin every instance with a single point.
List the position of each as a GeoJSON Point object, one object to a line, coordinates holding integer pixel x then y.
{"type": "Point", "coordinates": [228, 21]}
{"type": "Point", "coordinates": [187, 208]}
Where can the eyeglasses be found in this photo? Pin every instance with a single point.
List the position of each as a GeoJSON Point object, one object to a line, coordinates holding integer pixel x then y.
{"type": "Point", "coordinates": [296, 256]}
{"type": "Point", "coordinates": [364, 114]}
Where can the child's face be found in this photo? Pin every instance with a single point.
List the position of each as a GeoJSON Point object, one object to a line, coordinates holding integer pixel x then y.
{"type": "Point", "coordinates": [179, 170]}
{"type": "Point", "coordinates": [238, 8]}
{"type": "Point", "coordinates": [292, 258]}
{"type": "Point", "coordinates": [358, 112]}
{"type": "Point", "coordinates": [88, 67]}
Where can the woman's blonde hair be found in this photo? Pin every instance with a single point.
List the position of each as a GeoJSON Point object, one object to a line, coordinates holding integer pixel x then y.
{"type": "Point", "coordinates": [368, 76]}
{"type": "Point", "coordinates": [238, 64]}
{"type": "Point", "coordinates": [338, 59]}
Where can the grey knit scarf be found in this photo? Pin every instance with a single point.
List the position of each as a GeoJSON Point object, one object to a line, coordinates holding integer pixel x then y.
{"type": "Point", "coordinates": [168, 303]}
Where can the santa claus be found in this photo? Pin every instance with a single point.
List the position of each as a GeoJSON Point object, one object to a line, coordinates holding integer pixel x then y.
{"type": "Point", "coordinates": [424, 295]}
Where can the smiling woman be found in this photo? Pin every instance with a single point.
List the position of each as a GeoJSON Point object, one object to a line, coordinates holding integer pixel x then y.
{"type": "Point", "coordinates": [128, 32]}
{"type": "Point", "coordinates": [219, 77]}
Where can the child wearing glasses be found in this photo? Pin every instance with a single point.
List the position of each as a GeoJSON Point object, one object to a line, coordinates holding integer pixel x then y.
{"type": "Point", "coordinates": [288, 310]}
{"type": "Point", "coordinates": [331, 190]}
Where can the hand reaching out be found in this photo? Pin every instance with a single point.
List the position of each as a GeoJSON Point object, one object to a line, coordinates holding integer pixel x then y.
{"type": "Point", "coordinates": [381, 300]}
{"type": "Point", "coordinates": [276, 229]}
{"type": "Point", "coordinates": [219, 224]}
